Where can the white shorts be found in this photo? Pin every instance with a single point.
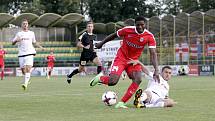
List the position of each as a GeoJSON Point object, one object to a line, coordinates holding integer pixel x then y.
{"type": "Point", "coordinates": [155, 100]}
{"type": "Point", "coordinates": [26, 60]}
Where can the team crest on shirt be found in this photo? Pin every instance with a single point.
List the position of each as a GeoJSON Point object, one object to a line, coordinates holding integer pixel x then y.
{"type": "Point", "coordinates": [141, 39]}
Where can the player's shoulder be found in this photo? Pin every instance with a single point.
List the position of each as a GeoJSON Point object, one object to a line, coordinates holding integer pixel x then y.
{"type": "Point", "coordinates": [128, 29]}
{"type": "Point", "coordinates": [148, 32]}
{"type": "Point", "coordinates": [83, 35]}
{"type": "Point", "coordinates": [19, 32]}
{"type": "Point", "coordinates": [30, 31]}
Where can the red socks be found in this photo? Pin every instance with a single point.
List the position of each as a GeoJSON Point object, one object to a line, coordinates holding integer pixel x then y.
{"type": "Point", "coordinates": [131, 90]}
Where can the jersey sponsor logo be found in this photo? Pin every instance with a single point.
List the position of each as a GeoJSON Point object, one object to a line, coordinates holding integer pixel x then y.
{"type": "Point", "coordinates": [25, 38]}
{"type": "Point", "coordinates": [133, 45]}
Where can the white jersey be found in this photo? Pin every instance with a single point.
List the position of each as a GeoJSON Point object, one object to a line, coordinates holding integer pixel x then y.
{"type": "Point", "coordinates": [25, 46]}
{"type": "Point", "coordinates": [161, 89]}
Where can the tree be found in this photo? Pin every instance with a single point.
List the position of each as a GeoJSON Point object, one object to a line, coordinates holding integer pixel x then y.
{"type": "Point", "coordinates": [104, 10]}
{"type": "Point", "coordinates": [12, 6]}
{"type": "Point", "coordinates": [206, 5]}
{"type": "Point", "coordinates": [189, 6]}
{"type": "Point", "coordinates": [60, 7]}
{"type": "Point", "coordinates": [172, 7]}
{"type": "Point", "coordinates": [133, 8]}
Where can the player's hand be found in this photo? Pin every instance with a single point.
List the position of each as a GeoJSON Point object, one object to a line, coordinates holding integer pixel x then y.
{"type": "Point", "coordinates": [98, 45]}
{"type": "Point", "coordinates": [133, 62]}
{"type": "Point", "coordinates": [87, 47]}
{"type": "Point", "coordinates": [156, 76]}
{"type": "Point", "coordinates": [19, 39]}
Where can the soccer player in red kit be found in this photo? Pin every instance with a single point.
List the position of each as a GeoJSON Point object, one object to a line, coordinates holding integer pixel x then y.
{"type": "Point", "coordinates": [135, 38]}
{"type": "Point", "coordinates": [50, 62]}
{"type": "Point", "coordinates": [2, 53]}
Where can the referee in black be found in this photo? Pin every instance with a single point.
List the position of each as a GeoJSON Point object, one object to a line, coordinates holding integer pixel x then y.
{"type": "Point", "coordinates": [88, 53]}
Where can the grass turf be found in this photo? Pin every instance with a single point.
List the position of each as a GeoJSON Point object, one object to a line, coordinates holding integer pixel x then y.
{"type": "Point", "coordinates": [55, 100]}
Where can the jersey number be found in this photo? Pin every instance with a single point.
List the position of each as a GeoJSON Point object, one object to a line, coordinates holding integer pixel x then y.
{"type": "Point", "coordinates": [115, 68]}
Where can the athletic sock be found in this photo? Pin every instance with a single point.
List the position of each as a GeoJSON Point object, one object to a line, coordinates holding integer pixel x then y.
{"type": "Point", "coordinates": [73, 73]}
{"type": "Point", "coordinates": [99, 69]}
{"type": "Point", "coordinates": [105, 79]}
{"type": "Point", "coordinates": [131, 90]}
{"type": "Point", "coordinates": [27, 77]}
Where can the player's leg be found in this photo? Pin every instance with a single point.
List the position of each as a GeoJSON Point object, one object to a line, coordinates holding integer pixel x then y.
{"type": "Point", "coordinates": [99, 64]}
{"type": "Point", "coordinates": [169, 102]}
{"type": "Point", "coordinates": [50, 71]}
{"type": "Point", "coordinates": [134, 73]}
{"type": "Point", "coordinates": [47, 72]}
{"type": "Point", "coordinates": [28, 63]}
{"type": "Point", "coordinates": [158, 104]}
{"type": "Point", "coordinates": [50, 68]}
{"type": "Point", "coordinates": [112, 79]}
{"type": "Point", "coordinates": [2, 71]}
{"type": "Point", "coordinates": [83, 61]}
{"type": "Point", "coordinates": [94, 58]}
{"type": "Point", "coordinates": [21, 65]}
{"type": "Point", "coordinates": [141, 97]}
{"type": "Point", "coordinates": [80, 69]}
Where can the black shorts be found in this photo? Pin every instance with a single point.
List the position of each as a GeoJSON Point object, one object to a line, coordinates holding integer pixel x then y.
{"type": "Point", "coordinates": [86, 57]}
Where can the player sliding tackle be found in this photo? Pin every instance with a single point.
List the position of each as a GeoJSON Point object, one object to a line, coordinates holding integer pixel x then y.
{"type": "Point", "coordinates": [156, 94]}
{"type": "Point", "coordinates": [135, 38]}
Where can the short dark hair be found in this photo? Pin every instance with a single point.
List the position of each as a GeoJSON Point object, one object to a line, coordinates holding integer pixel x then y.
{"type": "Point", "coordinates": [24, 19]}
{"type": "Point", "coordinates": [89, 22]}
{"type": "Point", "coordinates": [168, 67]}
{"type": "Point", "coordinates": [140, 18]}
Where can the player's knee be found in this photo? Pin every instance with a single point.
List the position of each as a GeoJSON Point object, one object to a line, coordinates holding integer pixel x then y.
{"type": "Point", "coordinates": [137, 80]}
{"type": "Point", "coordinates": [81, 69]}
{"type": "Point", "coordinates": [113, 81]}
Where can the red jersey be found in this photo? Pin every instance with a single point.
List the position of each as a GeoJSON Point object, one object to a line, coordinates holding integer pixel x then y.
{"type": "Point", "coordinates": [134, 42]}
{"type": "Point", "coordinates": [50, 60]}
{"type": "Point", "coordinates": [2, 53]}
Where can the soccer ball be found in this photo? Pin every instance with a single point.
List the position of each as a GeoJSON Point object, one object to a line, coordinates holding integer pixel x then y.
{"type": "Point", "coordinates": [109, 98]}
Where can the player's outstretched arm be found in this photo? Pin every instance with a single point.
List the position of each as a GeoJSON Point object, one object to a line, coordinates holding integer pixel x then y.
{"type": "Point", "coordinates": [144, 69]}
{"type": "Point", "coordinates": [153, 57]}
{"type": "Point", "coordinates": [107, 39]}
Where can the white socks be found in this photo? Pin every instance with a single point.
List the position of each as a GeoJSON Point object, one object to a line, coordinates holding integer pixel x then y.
{"type": "Point", "coordinates": [27, 77]}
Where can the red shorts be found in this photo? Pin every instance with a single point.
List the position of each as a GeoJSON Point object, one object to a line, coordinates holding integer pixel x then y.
{"type": "Point", "coordinates": [1, 65]}
{"type": "Point", "coordinates": [50, 65]}
{"type": "Point", "coordinates": [119, 65]}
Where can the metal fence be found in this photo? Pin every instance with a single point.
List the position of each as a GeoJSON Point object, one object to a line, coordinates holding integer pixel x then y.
{"type": "Point", "coordinates": [182, 39]}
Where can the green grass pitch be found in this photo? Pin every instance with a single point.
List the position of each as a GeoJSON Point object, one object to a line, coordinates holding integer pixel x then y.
{"type": "Point", "coordinates": [55, 100]}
